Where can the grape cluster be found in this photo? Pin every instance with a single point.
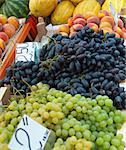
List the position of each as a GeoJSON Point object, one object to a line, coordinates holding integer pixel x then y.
{"type": "Point", "coordinates": [93, 120]}
{"type": "Point", "coordinates": [88, 63]}
{"type": "Point", "coordinates": [72, 144]}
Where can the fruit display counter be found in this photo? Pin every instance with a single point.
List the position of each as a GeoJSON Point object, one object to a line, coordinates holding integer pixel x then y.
{"type": "Point", "coordinates": [75, 89]}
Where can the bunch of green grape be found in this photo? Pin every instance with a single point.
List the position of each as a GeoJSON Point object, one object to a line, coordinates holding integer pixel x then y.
{"type": "Point", "coordinates": [95, 120]}
{"type": "Point", "coordinates": [72, 143]}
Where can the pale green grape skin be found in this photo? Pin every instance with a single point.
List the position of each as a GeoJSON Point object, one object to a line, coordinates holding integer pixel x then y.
{"type": "Point", "coordinates": [71, 132]}
{"type": "Point", "coordinates": [99, 141]}
{"type": "Point", "coordinates": [112, 148]}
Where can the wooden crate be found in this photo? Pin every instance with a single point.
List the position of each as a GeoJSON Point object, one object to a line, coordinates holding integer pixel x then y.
{"type": "Point", "coordinates": [27, 30]}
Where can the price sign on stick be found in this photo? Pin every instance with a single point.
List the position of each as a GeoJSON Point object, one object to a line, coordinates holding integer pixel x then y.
{"type": "Point", "coordinates": [25, 52]}
{"type": "Point", "coordinates": [115, 15]}
{"type": "Point", "coordinates": [29, 135]}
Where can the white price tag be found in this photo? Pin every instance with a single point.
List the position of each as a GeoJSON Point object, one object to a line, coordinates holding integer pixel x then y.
{"type": "Point", "coordinates": [29, 135]}
{"type": "Point", "coordinates": [115, 15]}
{"type": "Point", "coordinates": [25, 52]}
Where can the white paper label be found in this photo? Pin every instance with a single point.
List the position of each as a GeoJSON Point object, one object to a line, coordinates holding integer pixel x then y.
{"type": "Point", "coordinates": [25, 52]}
{"type": "Point", "coordinates": [29, 135]}
{"type": "Point", "coordinates": [115, 15]}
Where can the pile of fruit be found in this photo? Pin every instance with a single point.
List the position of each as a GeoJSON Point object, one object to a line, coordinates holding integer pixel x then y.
{"type": "Point", "coordinates": [104, 21]}
{"type": "Point", "coordinates": [87, 63]}
{"type": "Point", "coordinates": [62, 11]}
{"type": "Point", "coordinates": [8, 27]}
{"type": "Point", "coordinates": [78, 123]}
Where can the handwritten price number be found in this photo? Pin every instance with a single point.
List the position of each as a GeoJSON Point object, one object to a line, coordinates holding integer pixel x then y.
{"type": "Point", "coordinates": [24, 131]}
{"type": "Point", "coordinates": [24, 52]}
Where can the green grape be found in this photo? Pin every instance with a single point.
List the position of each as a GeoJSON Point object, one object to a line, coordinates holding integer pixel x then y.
{"type": "Point", "coordinates": [78, 135]}
{"type": "Point", "coordinates": [74, 113]}
{"type": "Point", "coordinates": [101, 102]}
{"type": "Point", "coordinates": [10, 128]}
{"type": "Point", "coordinates": [64, 133]}
{"type": "Point", "coordinates": [110, 121]}
{"type": "Point", "coordinates": [107, 137]}
{"type": "Point", "coordinates": [109, 103]}
{"type": "Point", "coordinates": [14, 121]}
{"type": "Point", "coordinates": [115, 142]}
{"type": "Point", "coordinates": [69, 105]}
{"type": "Point", "coordinates": [87, 134]}
{"type": "Point", "coordinates": [112, 148]}
{"type": "Point", "coordinates": [8, 115]}
{"type": "Point", "coordinates": [58, 132]}
{"type": "Point", "coordinates": [55, 120]}
{"type": "Point", "coordinates": [71, 132]}
{"type": "Point", "coordinates": [66, 126]}
{"type": "Point", "coordinates": [106, 145]}
{"type": "Point", "coordinates": [35, 105]}
{"type": "Point", "coordinates": [78, 109]}
{"type": "Point", "coordinates": [84, 109]}
{"type": "Point", "coordinates": [117, 119]}
{"type": "Point", "coordinates": [103, 124]}
{"type": "Point", "coordinates": [93, 137]}
{"type": "Point", "coordinates": [99, 141]}
{"type": "Point", "coordinates": [77, 128]}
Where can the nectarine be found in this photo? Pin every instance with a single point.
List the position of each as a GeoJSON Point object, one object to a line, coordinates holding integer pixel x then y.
{"type": "Point", "coordinates": [93, 26]}
{"type": "Point", "coordinates": [14, 21]}
{"type": "Point", "coordinates": [9, 29]}
{"type": "Point", "coordinates": [105, 24]}
{"type": "Point", "coordinates": [80, 21]}
{"type": "Point", "coordinates": [64, 33]}
{"type": "Point", "coordinates": [108, 19]}
{"type": "Point", "coordinates": [118, 30]}
{"type": "Point", "coordinates": [3, 19]}
{"type": "Point", "coordinates": [93, 19]}
{"type": "Point", "coordinates": [77, 26]}
{"type": "Point", "coordinates": [64, 28]}
{"type": "Point", "coordinates": [120, 23]}
{"type": "Point", "coordinates": [4, 37]}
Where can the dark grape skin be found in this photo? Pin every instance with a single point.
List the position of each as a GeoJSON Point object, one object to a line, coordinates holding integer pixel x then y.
{"type": "Point", "coordinates": [88, 63]}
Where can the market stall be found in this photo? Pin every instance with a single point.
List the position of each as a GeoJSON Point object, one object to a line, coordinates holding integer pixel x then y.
{"type": "Point", "coordinates": [63, 82]}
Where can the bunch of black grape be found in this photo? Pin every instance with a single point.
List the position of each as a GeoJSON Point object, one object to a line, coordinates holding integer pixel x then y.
{"type": "Point", "coordinates": [21, 75]}
{"type": "Point", "coordinates": [88, 63]}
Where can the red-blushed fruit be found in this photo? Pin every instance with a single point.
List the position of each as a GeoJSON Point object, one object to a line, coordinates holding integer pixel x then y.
{"type": "Point", "coordinates": [105, 24]}
{"type": "Point", "coordinates": [80, 21]}
{"type": "Point", "coordinates": [77, 26]}
{"type": "Point", "coordinates": [93, 19]}
{"type": "Point", "coordinates": [72, 34]}
{"type": "Point", "coordinates": [118, 30]}
{"type": "Point", "coordinates": [72, 30]}
{"type": "Point", "coordinates": [3, 19]}
{"type": "Point", "coordinates": [9, 29]}
{"type": "Point", "coordinates": [103, 13]}
{"type": "Point", "coordinates": [93, 26]}
{"type": "Point", "coordinates": [77, 16]}
{"type": "Point", "coordinates": [117, 35]}
{"type": "Point", "coordinates": [107, 30]}
{"type": "Point", "coordinates": [64, 33]}
{"type": "Point", "coordinates": [70, 21]}
{"type": "Point", "coordinates": [14, 21]}
{"type": "Point", "coordinates": [4, 37]}
{"type": "Point", "coordinates": [124, 29]}
{"type": "Point", "coordinates": [124, 35]}
{"type": "Point", "coordinates": [120, 23]}
{"type": "Point", "coordinates": [108, 19]}
{"type": "Point", "coordinates": [64, 28]}
{"type": "Point", "coordinates": [2, 44]}
{"type": "Point", "coordinates": [0, 52]}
